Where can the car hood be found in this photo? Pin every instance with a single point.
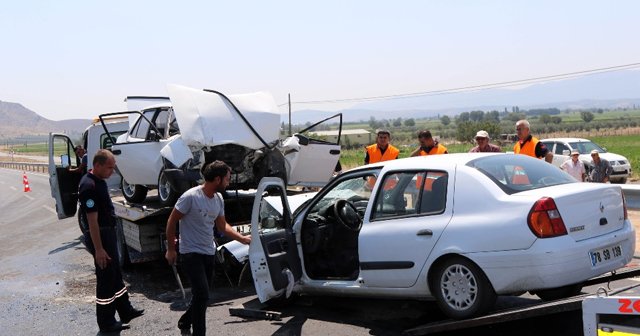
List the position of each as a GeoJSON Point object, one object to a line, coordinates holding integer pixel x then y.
{"type": "Point", "coordinates": [207, 119]}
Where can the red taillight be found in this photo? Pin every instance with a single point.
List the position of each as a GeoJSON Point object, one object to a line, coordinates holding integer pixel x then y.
{"type": "Point", "coordinates": [544, 219]}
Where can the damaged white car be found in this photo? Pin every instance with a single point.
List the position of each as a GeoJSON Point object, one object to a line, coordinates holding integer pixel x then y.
{"type": "Point", "coordinates": [168, 143]}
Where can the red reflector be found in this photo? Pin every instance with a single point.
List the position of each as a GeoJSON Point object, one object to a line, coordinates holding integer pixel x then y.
{"type": "Point", "coordinates": [545, 220]}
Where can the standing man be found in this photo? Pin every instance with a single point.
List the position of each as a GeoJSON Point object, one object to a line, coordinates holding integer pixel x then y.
{"type": "Point", "coordinates": [95, 203]}
{"type": "Point", "coordinates": [482, 139]}
{"type": "Point", "coordinates": [428, 146]}
{"type": "Point", "coordinates": [529, 145]}
{"type": "Point", "coordinates": [601, 168]}
{"type": "Point", "coordinates": [82, 154]}
{"type": "Point", "coordinates": [382, 150]}
{"type": "Point", "coordinates": [574, 166]}
{"type": "Point", "coordinates": [198, 210]}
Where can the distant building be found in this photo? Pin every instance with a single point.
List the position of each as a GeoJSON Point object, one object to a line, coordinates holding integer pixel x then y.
{"type": "Point", "coordinates": [348, 138]}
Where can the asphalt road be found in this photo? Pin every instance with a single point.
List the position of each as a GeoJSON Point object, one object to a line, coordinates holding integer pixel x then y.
{"type": "Point", "coordinates": [47, 288]}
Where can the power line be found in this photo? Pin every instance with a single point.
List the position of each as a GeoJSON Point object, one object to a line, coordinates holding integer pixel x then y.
{"type": "Point", "coordinates": [476, 87]}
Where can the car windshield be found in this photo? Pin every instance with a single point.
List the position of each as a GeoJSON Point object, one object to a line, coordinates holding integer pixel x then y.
{"type": "Point", "coordinates": [354, 189]}
{"type": "Point", "coordinates": [516, 173]}
{"type": "Point", "coordinates": [585, 147]}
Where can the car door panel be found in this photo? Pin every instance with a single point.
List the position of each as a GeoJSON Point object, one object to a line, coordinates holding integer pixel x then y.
{"type": "Point", "coordinates": [63, 183]}
{"type": "Point", "coordinates": [273, 252]}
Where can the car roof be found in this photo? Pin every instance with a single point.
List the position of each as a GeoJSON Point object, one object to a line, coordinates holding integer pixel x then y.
{"type": "Point", "coordinates": [567, 140]}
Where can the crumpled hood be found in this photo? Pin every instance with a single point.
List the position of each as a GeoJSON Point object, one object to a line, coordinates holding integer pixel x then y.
{"type": "Point", "coordinates": [207, 119]}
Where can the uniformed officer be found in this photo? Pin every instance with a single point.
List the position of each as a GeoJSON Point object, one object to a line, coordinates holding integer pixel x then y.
{"type": "Point", "coordinates": [530, 145]}
{"type": "Point", "coordinates": [95, 204]}
{"type": "Point", "coordinates": [428, 145]}
{"type": "Point", "coordinates": [382, 150]}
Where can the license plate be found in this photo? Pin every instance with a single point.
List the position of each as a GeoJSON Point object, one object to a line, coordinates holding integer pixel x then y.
{"type": "Point", "coordinates": [605, 254]}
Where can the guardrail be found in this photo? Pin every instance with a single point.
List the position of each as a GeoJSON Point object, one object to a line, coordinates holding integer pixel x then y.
{"type": "Point", "coordinates": [26, 166]}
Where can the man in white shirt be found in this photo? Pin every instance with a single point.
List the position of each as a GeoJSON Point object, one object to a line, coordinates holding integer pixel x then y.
{"type": "Point", "coordinates": [574, 166]}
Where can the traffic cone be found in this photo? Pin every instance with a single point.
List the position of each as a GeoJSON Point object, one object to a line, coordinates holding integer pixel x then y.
{"type": "Point", "coordinates": [25, 181]}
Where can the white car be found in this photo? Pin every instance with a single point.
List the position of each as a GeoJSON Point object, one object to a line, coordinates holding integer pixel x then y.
{"type": "Point", "coordinates": [460, 228]}
{"type": "Point", "coordinates": [562, 147]}
{"type": "Point", "coordinates": [168, 143]}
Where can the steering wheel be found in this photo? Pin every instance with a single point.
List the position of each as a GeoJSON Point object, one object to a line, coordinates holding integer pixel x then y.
{"type": "Point", "coordinates": [347, 215]}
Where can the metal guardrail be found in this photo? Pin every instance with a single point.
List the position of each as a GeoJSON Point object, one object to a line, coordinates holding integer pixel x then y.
{"type": "Point", "coordinates": [26, 166]}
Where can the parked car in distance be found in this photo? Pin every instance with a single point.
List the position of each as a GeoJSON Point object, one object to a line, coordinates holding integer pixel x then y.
{"type": "Point", "coordinates": [460, 228]}
{"type": "Point", "coordinates": [562, 147]}
{"type": "Point", "coordinates": [169, 142]}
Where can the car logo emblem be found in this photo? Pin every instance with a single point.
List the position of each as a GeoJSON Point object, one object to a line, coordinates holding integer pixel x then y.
{"type": "Point", "coordinates": [601, 207]}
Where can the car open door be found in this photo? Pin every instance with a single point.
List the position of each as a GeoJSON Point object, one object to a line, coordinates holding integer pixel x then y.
{"type": "Point", "coordinates": [63, 183]}
{"type": "Point", "coordinates": [273, 253]}
{"type": "Point", "coordinates": [311, 162]}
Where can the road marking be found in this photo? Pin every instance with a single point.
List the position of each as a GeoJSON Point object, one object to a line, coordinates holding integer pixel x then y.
{"type": "Point", "coordinates": [50, 209]}
{"type": "Point", "coordinates": [29, 197]}
{"type": "Point", "coordinates": [13, 188]}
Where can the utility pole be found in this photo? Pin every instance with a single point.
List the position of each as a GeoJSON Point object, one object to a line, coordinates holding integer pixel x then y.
{"type": "Point", "coordinates": [289, 113]}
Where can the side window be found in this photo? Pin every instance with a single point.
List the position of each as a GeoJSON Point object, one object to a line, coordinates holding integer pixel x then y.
{"type": "Point", "coordinates": [560, 147]}
{"type": "Point", "coordinates": [106, 142]}
{"type": "Point", "coordinates": [411, 193]}
{"type": "Point", "coordinates": [141, 129]}
{"type": "Point", "coordinates": [549, 145]}
{"type": "Point", "coordinates": [434, 193]}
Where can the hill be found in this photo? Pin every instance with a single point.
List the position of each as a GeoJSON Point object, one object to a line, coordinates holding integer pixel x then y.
{"type": "Point", "coordinates": [17, 121]}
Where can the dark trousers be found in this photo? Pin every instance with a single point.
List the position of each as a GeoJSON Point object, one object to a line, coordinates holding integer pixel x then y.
{"type": "Point", "coordinates": [111, 293]}
{"type": "Point", "coordinates": [199, 268]}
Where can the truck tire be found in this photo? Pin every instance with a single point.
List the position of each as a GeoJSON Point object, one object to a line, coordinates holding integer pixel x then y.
{"type": "Point", "coordinates": [133, 193]}
{"type": "Point", "coordinates": [123, 252]}
{"type": "Point", "coordinates": [167, 194]}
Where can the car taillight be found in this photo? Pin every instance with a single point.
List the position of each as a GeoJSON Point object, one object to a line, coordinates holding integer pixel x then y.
{"type": "Point", "coordinates": [624, 206]}
{"type": "Point", "coordinates": [544, 219]}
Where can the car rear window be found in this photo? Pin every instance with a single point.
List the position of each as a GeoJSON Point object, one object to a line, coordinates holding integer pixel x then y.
{"type": "Point", "coordinates": [516, 173]}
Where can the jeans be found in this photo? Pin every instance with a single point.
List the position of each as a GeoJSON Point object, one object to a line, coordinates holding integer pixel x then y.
{"type": "Point", "coordinates": [199, 268]}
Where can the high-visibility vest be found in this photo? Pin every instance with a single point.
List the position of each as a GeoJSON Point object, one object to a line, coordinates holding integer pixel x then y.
{"type": "Point", "coordinates": [375, 155]}
{"type": "Point", "coordinates": [438, 149]}
{"type": "Point", "coordinates": [529, 147]}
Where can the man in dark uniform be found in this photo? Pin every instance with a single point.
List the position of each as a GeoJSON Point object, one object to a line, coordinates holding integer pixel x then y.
{"type": "Point", "coordinates": [95, 203]}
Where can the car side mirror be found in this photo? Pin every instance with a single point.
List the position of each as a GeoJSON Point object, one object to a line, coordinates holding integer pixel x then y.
{"type": "Point", "coordinates": [604, 149]}
{"type": "Point", "coordinates": [566, 152]}
{"type": "Point", "coordinates": [302, 140]}
{"type": "Point", "coordinates": [153, 135]}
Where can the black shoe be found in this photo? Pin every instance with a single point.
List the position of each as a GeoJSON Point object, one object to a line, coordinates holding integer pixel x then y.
{"type": "Point", "coordinates": [133, 313]}
{"type": "Point", "coordinates": [118, 326]}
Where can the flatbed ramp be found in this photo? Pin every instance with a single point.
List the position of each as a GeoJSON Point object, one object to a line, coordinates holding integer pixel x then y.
{"type": "Point", "coordinates": [536, 310]}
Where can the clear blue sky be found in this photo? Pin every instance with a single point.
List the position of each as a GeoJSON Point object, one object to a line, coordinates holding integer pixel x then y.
{"type": "Point", "coordinates": [76, 59]}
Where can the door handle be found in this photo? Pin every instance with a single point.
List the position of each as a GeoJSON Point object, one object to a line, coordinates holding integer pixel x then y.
{"type": "Point", "coordinates": [116, 152]}
{"type": "Point", "coordinates": [334, 152]}
{"type": "Point", "coordinates": [425, 232]}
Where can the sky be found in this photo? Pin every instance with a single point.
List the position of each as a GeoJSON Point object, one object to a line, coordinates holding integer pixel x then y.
{"type": "Point", "coordinates": [77, 59]}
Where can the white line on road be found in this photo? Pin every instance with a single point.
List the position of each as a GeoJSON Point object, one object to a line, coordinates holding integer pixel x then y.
{"type": "Point", "coordinates": [13, 188]}
{"type": "Point", "coordinates": [50, 209]}
{"type": "Point", "coordinates": [27, 196]}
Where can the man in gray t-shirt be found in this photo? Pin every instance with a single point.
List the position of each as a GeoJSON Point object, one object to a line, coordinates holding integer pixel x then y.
{"type": "Point", "coordinates": [198, 210]}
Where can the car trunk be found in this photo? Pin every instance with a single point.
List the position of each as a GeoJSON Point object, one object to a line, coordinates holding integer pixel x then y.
{"type": "Point", "coordinates": [588, 210]}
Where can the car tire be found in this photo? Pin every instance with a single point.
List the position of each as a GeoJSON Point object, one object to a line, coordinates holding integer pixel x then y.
{"type": "Point", "coordinates": [133, 193]}
{"type": "Point", "coordinates": [167, 194]}
{"type": "Point", "coordinates": [559, 293]}
{"type": "Point", "coordinates": [461, 289]}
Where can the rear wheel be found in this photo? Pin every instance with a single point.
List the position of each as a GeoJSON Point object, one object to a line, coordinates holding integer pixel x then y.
{"type": "Point", "coordinates": [461, 288]}
{"type": "Point", "coordinates": [166, 192]}
{"type": "Point", "coordinates": [132, 192]}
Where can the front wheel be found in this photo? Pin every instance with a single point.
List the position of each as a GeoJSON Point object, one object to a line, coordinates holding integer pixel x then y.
{"type": "Point", "coordinates": [461, 288]}
{"type": "Point", "coordinates": [133, 193]}
{"type": "Point", "coordinates": [166, 192]}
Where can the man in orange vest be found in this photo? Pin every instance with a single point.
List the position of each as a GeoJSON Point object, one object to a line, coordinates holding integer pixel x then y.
{"type": "Point", "coordinates": [428, 146]}
{"type": "Point", "coordinates": [529, 145]}
{"type": "Point", "coordinates": [382, 150]}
